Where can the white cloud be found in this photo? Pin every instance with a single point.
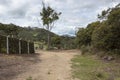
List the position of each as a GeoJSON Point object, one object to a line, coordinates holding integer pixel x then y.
{"type": "Point", "coordinates": [75, 13]}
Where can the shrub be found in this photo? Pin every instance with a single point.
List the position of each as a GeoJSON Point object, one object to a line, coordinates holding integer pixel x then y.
{"type": "Point", "coordinates": [2, 44]}
{"type": "Point", "coordinates": [14, 45]}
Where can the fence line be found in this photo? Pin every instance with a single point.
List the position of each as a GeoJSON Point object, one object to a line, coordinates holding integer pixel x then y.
{"type": "Point", "coordinates": [7, 44]}
{"type": "Point", "coordinates": [13, 45]}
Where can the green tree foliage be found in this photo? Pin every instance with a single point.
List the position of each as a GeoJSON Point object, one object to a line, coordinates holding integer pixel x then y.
{"type": "Point", "coordinates": [104, 14]}
{"type": "Point", "coordinates": [103, 34]}
{"type": "Point", "coordinates": [2, 44]}
{"type": "Point", "coordinates": [56, 41]}
{"type": "Point", "coordinates": [100, 36]}
{"type": "Point", "coordinates": [84, 34]}
{"type": "Point", "coordinates": [68, 42]}
{"type": "Point", "coordinates": [9, 29]}
{"type": "Point", "coordinates": [82, 37]}
{"type": "Point", "coordinates": [107, 36]}
{"type": "Point", "coordinates": [49, 16]}
{"type": "Point", "coordinates": [25, 33]}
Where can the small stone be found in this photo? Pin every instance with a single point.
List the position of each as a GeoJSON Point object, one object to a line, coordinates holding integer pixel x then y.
{"type": "Point", "coordinates": [110, 58]}
{"type": "Point", "coordinates": [105, 57]}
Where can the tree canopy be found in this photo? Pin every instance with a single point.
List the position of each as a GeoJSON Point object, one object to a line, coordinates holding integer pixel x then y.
{"type": "Point", "coordinates": [103, 34]}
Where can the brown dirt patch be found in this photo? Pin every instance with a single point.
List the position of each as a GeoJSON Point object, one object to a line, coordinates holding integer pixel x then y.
{"type": "Point", "coordinates": [46, 65]}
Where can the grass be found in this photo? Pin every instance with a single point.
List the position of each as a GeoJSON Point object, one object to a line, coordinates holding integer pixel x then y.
{"type": "Point", "coordinates": [90, 68]}
{"type": "Point", "coordinates": [49, 72]}
{"type": "Point", "coordinates": [30, 78]}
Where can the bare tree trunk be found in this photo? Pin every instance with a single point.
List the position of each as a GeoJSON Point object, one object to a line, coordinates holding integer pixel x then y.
{"type": "Point", "coordinates": [48, 44]}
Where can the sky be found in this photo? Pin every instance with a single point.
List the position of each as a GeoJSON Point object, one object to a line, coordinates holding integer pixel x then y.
{"type": "Point", "coordinates": [75, 13]}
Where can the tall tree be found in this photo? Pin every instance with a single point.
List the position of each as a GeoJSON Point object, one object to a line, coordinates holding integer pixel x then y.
{"type": "Point", "coordinates": [107, 35]}
{"type": "Point", "coordinates": [49, 16]}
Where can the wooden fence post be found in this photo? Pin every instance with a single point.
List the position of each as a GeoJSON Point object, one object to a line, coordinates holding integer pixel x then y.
{"type": "Point", "coordinates": [7, 41]}
{"type": "Point", "coordinates": [20, 46]}
{"type": "Point", "coordinates": [28, 47]}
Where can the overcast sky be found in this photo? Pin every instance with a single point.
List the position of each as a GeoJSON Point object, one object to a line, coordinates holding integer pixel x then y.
{"type": "Point", "coordinates": [75, 13]}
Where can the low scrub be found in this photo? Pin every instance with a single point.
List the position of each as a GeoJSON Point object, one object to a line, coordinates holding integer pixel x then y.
{"type": "Point", "coordinates": [90, 68]}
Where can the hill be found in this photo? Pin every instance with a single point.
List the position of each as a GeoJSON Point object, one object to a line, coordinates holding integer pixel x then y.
{"type": "Point", "coordinates": [38, 35]}
{"type": "Point", "coordinates": [26, 33]}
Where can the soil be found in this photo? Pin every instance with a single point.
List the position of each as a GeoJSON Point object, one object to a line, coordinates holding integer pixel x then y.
{"type": "Point", "coordinates": [44, 65]}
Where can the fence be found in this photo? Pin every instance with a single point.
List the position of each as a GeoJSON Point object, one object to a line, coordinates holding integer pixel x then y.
{"type": "Point", "coordinates": [12, 45]}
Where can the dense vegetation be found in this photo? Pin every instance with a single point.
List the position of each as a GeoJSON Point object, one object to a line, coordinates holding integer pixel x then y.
{"type": "Point", "coordinates": [27, 33]}
{"type": "Point", "coordinates": [102, 35]}
{"type": "Point", "coordinates": [15, 45]}
{"type": "Point", "coordinates": [38, 35]}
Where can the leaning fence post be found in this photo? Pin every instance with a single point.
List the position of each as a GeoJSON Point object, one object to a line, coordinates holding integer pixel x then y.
{"type": "Point", "coordinates": [28, 47]}
{"type": "Point", "coordinates": [20, 46]}
{"type": "Point", "coordinates": [7, 41]}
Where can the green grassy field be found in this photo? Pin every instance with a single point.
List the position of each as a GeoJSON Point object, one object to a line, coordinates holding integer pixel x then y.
{"type": "Point", "coordinates": [91, 68]}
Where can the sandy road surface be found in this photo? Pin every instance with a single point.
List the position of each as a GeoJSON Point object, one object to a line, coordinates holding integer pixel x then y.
{"type": "Point", "coordinates": [54, 65]}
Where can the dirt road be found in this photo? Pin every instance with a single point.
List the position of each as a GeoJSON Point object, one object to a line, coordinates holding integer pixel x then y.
{"type": "Point", "coordinates": [53, 65]}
